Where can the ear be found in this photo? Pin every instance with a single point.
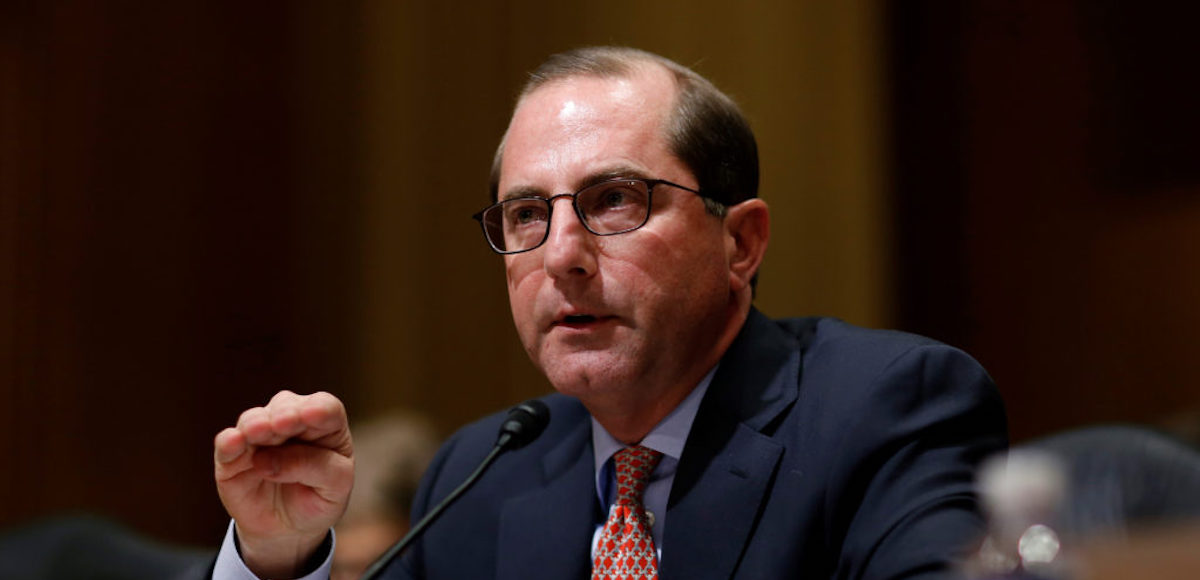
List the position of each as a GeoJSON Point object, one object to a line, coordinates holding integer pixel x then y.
{"type": "Point", "coordinates": [747, 230]}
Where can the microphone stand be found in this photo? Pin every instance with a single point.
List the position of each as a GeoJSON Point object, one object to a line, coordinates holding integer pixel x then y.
{"type": "Point", "coordinates": [377, 568]}
{"type": "Point", "coordinates": [524, 423]}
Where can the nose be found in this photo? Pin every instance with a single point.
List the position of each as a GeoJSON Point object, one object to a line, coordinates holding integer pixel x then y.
{"type": "Point", "coordinates": [569, 250]}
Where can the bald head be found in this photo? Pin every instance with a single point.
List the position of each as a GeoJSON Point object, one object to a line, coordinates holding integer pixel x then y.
{"type": "Point", "coordinates": [703, 127]}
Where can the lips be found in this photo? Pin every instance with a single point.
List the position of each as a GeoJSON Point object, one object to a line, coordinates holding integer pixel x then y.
{"type": "Point", "coordinates": [578, 320]}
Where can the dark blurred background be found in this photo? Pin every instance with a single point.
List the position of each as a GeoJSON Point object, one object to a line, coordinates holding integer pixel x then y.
{"type": "Point", "coordinates": [202, 202]}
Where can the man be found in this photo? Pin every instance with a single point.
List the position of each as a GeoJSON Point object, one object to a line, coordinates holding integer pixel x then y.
{"type": "Point", "coordinates": [800, 448]}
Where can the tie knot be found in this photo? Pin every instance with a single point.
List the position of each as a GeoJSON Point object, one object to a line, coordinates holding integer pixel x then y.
{"type": "Point", "coordinates": [634, 465]}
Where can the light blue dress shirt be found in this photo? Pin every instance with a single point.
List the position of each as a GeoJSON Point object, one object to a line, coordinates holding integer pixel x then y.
{"type": "Point", "coordinates": [668, 438]}
{"type": "Point", "coordinates": [230, 565]}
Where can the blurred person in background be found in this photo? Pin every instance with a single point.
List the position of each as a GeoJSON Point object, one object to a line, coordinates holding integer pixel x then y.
{"type": "Point", "coordinates": [392, 452]}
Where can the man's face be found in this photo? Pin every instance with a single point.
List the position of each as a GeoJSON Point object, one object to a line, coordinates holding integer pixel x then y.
{"type": "Point", "coordinates": [616, 319]}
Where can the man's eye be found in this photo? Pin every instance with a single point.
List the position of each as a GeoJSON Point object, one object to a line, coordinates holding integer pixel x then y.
{"type": "Point", "coordinates": [526, 213]}
{"type": "Point", "coordinates": [613, 198]}
{"type": "Point", "coordinates": [616, 198]}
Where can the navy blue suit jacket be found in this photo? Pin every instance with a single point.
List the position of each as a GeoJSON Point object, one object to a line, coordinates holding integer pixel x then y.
{"type": "Point", "coordinates": [820, 450]}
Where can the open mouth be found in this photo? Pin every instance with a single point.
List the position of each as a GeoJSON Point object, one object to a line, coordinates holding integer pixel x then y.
{"type": "Point", "coordinates": [578, 319]}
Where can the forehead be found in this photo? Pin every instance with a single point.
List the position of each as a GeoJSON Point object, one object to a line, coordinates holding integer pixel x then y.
{"type": "Point", "coordinates": [573, 127]}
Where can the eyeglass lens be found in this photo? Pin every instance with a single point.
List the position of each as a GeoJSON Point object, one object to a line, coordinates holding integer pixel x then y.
{"type": "Point", "coordinates": [611, 207]}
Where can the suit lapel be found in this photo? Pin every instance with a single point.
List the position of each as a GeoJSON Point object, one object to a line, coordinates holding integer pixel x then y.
{"type": "Point", "coordinates": [730, 459]}
{"type": "Point", "coordinates": [547, 532]}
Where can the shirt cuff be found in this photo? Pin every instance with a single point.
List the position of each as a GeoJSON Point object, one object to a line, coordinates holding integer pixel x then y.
{"type": "Point", "coordinates": [231, 567]}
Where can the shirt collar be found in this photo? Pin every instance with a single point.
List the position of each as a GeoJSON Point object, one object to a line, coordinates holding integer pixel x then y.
{"type": "Point", "coordinates": [668, 437]}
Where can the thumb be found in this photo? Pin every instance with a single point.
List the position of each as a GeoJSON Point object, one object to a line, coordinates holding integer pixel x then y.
{"type": "Point", "coordinates": [323, 469]}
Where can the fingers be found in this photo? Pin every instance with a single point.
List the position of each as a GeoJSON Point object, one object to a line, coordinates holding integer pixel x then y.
{"type": "Point", "coordinates": [319, 418]}
{"type": "Point", "coordinates": [231, 455]}
{"type": "Point", "coordinates": [329, 473]}
{"type": "Point", "coordinates": [229, 445]}
{"type": "Point", "coordinates": [325, 422]}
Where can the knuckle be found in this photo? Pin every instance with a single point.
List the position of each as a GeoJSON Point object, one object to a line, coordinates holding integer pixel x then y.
{"type": "Point", "coordinates": [326, 405]}
{"type": "Point", "coordinates": [250, 415]}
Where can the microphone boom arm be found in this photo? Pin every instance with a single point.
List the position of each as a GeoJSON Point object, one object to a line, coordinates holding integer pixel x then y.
{"type": "Point", "coordinates": [377, 568]}
{"type": "Point", "coordinates": [524, 423]}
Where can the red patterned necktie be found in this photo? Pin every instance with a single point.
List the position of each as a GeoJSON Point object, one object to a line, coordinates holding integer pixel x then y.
{"type": "Point", "coordinates": [626, 549]}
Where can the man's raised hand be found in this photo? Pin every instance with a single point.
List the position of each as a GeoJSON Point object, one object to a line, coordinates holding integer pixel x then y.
{"type": "Point", "coordinates": [284, 473]}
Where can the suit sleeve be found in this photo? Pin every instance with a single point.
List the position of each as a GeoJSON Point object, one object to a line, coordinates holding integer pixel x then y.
{"type": "Point", "coordinates": [905, 503]}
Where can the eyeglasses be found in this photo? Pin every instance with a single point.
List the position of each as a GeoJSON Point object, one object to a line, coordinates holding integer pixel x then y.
{"type": "Point", "coordinates": [607, 208]}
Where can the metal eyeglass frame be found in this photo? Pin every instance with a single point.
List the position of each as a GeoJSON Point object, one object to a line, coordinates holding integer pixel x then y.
{"type": "Point", "coordinates": [649, 183]}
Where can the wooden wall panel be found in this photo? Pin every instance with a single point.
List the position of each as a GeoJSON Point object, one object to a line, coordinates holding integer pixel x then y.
{"type": "Point", "coordinates": [1069, 252]}
{"type": "Point", "coordinates": [158, 271]}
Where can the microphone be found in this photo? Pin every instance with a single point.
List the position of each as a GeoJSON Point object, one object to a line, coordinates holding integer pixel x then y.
{"type": "Point", "coordinates": [524, 423]}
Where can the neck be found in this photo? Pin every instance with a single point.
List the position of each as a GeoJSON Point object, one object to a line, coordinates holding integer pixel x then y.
{"type": "Point", "coordinates": [631, 426]}
{"type": "Point", "coordinates": [630, 418]}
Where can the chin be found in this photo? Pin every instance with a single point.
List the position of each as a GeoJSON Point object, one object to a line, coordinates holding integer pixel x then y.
{"type": "Point", "coordinates": [582, 375]}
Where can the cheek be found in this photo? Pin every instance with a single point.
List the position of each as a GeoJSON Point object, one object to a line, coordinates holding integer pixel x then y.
{"type": "Point", "coordinates": [670, 293]}
{"type": "Point", "coordinates": [679, 266]}
{"type": "Point", "coordinates": [521, 276]}
{"type": "Point", "coordinates": [517, 270]}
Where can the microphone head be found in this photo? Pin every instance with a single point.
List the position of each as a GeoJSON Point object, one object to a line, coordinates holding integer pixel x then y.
{"type": "Point", "coordinates": [523, 424]}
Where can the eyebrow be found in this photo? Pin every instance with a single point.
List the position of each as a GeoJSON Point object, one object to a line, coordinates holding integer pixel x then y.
{"type": "Point", "coordinates": [609, 174]}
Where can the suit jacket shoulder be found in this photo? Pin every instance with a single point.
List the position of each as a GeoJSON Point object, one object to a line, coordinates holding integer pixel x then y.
{"type": "Point", "coordinates": [853, 452]}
